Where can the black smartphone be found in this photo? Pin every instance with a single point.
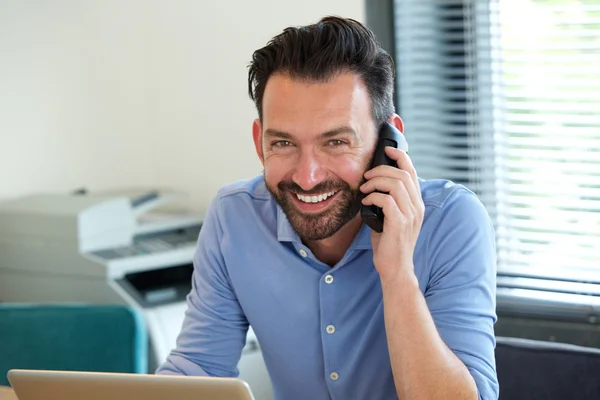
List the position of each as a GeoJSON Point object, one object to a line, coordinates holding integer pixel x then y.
{"type": "Point", "coordinates": [389, 135]}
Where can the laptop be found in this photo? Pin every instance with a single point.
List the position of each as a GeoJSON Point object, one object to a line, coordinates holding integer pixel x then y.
{"type": "Point", "coordinates": [76, 385]}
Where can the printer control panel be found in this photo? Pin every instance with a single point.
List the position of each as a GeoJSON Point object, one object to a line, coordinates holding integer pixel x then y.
{"type": "Point", "coordinates": [150, 244]}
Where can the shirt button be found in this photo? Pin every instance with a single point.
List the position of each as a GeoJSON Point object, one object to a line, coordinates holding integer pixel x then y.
{"type": "Point", "coordinates": [303, 253]}
{"type": "Point", "coordinates": [330, 329]}
{"type": "Point", "coordinates": [334, 376]}
{"type": "Point", "coordinates": [329, 279]}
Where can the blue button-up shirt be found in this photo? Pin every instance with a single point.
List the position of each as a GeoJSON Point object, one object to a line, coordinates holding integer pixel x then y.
{"type": "Point", "coordinates": [321, 329]}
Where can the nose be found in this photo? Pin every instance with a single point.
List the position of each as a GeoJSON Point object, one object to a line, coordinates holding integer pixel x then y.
{"type": "Point", "coordinates": [309, 171]}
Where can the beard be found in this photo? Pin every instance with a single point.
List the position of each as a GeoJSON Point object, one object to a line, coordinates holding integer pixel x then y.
{"type": "Point", "coordinates": [318, 226]}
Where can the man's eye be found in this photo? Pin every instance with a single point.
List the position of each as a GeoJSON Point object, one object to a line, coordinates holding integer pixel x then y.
{"type": "Point", "coordinates": [281, 143]}
{"type": "Point", "coordinates": [336, 142]}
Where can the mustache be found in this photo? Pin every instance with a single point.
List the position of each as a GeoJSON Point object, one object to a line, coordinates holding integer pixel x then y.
{"type": "Point", "coordinates": [326, 186]}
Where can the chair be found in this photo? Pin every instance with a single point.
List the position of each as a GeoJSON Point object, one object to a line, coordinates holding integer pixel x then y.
{"type": "Point", "coordinates": [99, 338]}
{"type": "Point", "coordinates": [532, 369]}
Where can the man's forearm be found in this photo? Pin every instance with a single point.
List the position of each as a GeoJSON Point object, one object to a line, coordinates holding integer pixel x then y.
{"type": "Point", "coordinates": [422, 365]}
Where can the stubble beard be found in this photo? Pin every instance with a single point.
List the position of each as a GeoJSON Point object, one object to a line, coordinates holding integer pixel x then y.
{"type": "Point", "coordinates": [318, 226]}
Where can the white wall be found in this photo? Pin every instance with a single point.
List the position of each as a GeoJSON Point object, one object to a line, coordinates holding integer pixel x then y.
{"type": "Point", "coordinates": [111, 94]}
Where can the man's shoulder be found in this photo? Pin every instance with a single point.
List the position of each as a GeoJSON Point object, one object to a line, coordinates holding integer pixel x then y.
{"type": "Point", "coordinates": [245, 204]}
{"type": "Point", "coordinates": [250, 189]}
{"type": "Point", "coordinates": [438, 193]}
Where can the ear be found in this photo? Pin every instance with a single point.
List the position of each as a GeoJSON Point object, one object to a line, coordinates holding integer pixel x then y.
{"type": "Point", "coordinates": [257, 136]}
{"type": "Point", "coordinates": [397, 122]}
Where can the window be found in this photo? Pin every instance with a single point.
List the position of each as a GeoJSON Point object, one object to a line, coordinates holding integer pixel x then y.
{"type": "Point", "coordinates": [504, 97]}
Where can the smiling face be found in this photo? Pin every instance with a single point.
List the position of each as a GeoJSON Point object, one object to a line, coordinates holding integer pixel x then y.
{"type": "Point", "coordinates": [315, 142]}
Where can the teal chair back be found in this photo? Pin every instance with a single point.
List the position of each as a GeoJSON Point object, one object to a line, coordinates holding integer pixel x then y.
{"type": "Point", "coordinates": [76, 337]}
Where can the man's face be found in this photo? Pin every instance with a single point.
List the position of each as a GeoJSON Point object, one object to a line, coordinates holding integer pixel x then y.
{"type": "Point", "coordinates": [315, 143]}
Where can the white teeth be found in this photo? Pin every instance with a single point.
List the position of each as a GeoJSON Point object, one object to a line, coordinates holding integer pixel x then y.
{"type": "Point", "coordinates": [315, 199]}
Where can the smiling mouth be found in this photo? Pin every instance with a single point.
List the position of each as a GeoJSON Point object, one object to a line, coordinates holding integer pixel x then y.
{"type": "Point", "coordinates": [314, 198]}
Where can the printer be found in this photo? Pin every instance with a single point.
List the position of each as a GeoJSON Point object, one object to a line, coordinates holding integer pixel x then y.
{"type": "Point", "coordinates": [131, 247]}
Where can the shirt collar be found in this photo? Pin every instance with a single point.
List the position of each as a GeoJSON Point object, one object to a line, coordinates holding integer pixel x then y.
{"type": "Point", "coordinates": [363, 238]}
{"type": "Point", "coordinates": [285, 232]}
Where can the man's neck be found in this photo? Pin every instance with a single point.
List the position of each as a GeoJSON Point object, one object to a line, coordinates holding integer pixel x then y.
{"type": "Point", "coordinates": [331, 250]}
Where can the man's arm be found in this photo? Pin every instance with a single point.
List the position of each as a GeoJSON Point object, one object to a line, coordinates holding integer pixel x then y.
{"type": "Point", "coordinates": [442, 345]}
{"type": "Point", "coordinates": [214, 329]}
{"type": "Point", "coordinates": [423, 366]}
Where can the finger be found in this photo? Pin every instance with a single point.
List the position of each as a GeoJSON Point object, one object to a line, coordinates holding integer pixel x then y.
{"type": "Point", "coordinates": [393, 216]}
{"type": "Point", "coordinates": [403, 161]}
{"type": "Point", "coordinates": [397, 174]}
{"type": "Point", "coordinates": [396, 188]}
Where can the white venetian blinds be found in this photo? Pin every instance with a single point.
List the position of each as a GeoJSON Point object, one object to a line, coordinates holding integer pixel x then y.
{"type": "Point", "coordinates": [504, 96]}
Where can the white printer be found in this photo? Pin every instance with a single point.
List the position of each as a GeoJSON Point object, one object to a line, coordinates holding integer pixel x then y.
{"type": "Point", "coordinates": [122, 247]}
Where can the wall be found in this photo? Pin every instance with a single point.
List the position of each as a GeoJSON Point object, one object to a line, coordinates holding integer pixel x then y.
{"type": "Point", "coordinates": [142, 93]}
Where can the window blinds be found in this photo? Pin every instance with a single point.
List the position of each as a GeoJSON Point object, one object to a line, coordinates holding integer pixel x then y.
{"type": "Point", "coordinates": [504, 97]}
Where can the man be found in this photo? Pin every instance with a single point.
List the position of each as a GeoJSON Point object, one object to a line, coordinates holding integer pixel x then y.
{"type": "Point", "coordinates": [340, 311]}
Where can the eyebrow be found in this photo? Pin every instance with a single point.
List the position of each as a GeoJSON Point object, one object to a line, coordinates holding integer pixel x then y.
{"type": "Point", "coordinates": [325, 135]}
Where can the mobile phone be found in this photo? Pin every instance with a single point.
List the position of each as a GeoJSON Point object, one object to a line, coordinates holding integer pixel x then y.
{"type": "Point", "coordinates": [389, 135]}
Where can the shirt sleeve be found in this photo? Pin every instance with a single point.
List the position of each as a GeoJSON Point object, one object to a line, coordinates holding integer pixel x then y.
{"type": "Point", "coordinates": [461, 293]}
{"type": "Point", "coordinates": [214, 329]}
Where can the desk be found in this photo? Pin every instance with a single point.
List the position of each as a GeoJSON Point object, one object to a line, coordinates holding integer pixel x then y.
{"type": "Point", "coordinates": [6, 393]}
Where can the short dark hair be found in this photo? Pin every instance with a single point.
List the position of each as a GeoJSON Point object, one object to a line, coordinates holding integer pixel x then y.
{"type": "Point", "coordinates": [318, 52]}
